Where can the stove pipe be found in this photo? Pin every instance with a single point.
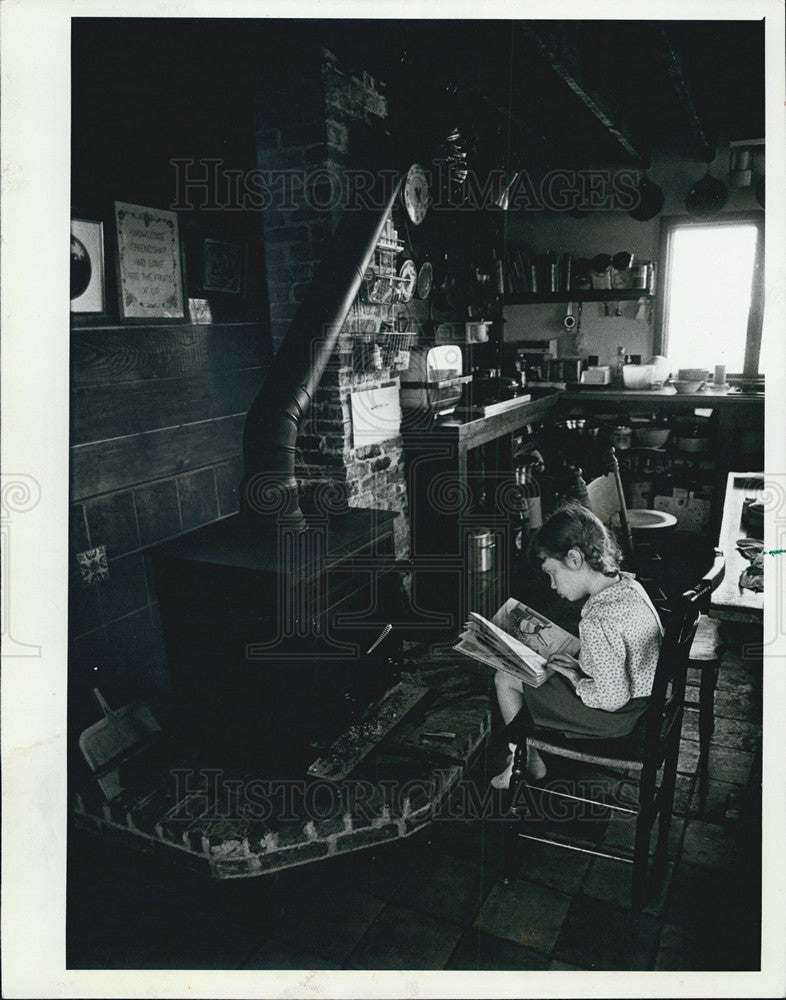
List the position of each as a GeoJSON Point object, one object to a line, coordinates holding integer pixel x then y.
{"type": "Point", "coordinates": [269, 492]}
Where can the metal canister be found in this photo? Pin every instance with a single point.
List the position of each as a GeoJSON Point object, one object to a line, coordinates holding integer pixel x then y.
{"type": "Point", "coordinates": [639, 276]}
{"type": "Point", "coordinates": [481, 543]}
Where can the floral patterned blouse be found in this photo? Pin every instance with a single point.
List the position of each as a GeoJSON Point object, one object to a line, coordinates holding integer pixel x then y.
{"type": "Point", "coordinates": [620, 635]}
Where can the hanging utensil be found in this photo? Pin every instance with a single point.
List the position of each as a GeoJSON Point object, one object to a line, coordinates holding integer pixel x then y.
{"type": "Point", "coordinates": [570, 320]}
{"type": "Point", "coordinates": [641, 309]}
{"type": "Point", "coordinates": [577, 332]}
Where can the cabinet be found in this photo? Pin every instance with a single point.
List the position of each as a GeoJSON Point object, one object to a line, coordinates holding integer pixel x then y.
{"type": "Point", "coordinates": [735, 433]}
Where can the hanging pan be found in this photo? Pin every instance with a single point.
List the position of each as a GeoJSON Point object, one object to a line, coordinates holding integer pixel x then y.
{"type": "Point", "coordinates": [707, 197]}
{"type": "Point", "coordinates": [650, 200]}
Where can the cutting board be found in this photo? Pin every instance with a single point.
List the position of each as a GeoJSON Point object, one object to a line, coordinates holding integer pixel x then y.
{"type": "Point", "coordinates": [489, 409]}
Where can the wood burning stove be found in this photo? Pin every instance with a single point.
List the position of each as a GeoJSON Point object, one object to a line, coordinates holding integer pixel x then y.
{"type": "Point", "coordinates": [267, 638]}
{"type": "Point", "coordinates": [266, 615]}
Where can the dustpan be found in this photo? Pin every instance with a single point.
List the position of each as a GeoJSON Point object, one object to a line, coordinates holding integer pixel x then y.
{"type": "Point", "coordinates": [116, 739]}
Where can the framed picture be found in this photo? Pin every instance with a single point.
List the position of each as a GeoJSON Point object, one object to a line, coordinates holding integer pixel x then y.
{"type": "Point", "coordinates": [88, 287]}
{"type": "Point", "coordinates": [150, 267]}
{"type": "Point", "coordinates": [224, 267]}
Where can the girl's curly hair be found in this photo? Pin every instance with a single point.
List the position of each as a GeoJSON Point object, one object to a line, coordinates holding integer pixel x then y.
{"type": "Point", "coordinates": [573, 526]}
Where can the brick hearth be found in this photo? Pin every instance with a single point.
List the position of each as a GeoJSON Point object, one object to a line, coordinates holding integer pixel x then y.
{"type": "Point", "coordinates": [218, 822]}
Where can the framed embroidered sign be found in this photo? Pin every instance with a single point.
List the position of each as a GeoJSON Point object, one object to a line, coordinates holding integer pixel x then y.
{"type": "Point", "coordinates": [149, 264]}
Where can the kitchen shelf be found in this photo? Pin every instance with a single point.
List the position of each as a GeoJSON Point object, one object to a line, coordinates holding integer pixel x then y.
{"type": "Point", "coordinates": [580, 295]}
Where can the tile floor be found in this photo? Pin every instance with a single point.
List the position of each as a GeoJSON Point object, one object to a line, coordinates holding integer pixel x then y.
{"type": "Point", "coordinates": [437, 901]}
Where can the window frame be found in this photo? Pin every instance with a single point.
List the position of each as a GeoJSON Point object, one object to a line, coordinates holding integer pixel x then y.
{"type": "Point", "coordinates": [675, 223]}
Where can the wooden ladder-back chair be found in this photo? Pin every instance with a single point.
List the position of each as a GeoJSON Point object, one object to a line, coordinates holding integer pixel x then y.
{"type": "Point", "coordinates": [631, 527]}
{"type": "Point", "coordinates": [638, 530]}
{"type": "Point", "coordinates": [647, 758]}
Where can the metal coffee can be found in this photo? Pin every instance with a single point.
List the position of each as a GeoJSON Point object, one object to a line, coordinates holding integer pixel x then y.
{"type": "Point", "coordinates": [481, 550]}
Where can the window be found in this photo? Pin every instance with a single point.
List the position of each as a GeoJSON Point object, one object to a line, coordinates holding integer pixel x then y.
{"type": "Point", "coordinates": [713, 292]}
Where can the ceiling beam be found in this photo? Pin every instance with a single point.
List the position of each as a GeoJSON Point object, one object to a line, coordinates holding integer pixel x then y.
{"type": "Point", "coordinates": [559, 50]}
{"type": "Point", "coordinates": [523, 132]}
{"type": "Point", "coordinates": [672, 60]}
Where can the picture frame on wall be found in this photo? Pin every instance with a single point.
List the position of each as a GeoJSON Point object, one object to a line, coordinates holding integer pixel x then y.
{"type": "Point", "coordinates": [150, 267]}
{"type": "Point", "coordinates": [224, 267]}
{"type": "Point", "coordinates": [88, 279]}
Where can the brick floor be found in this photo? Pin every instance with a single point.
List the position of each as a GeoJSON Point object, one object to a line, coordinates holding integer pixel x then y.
{"type": "Point", "coordinates": [436, 900]}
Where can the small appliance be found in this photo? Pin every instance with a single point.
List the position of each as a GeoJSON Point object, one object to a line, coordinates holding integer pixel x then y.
{"type": "Point", "coordinates": [433, 382]}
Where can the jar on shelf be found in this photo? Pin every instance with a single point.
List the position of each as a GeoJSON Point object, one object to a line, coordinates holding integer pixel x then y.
{"type": "Point", "coordinates": [621, 436]}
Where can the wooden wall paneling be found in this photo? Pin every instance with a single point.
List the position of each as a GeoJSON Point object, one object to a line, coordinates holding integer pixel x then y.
{"type": "Point", "coordinates": [108, 411]}
{"type": "Point", "coordinates": [103, 466]}
{"type": "Point", "coordinates": [100, 356]}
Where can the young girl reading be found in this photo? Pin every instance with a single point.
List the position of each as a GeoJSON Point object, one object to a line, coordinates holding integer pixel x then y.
{"type": "Point", "coordinates": [605, 691]}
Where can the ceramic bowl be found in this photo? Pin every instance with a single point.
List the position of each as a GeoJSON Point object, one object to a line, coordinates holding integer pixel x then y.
{"type": "Point", "coordinates": [693, 374]}
{"type": "Point", "coordinates": [686, 386]}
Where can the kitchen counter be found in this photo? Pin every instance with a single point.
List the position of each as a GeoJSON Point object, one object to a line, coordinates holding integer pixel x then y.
{"type": "Point", "coordinates": [445, 447]}
{"type": "Point", "coordinates": [470, 432]}
{"type": "Point", "coordinates": [473, 431]}
{"type": "Point", "coordinates": [706, 398]}
{"type": "Point", "coordinates": [460, 471]}
{"type": "Point", "coordinates": [731, 602]}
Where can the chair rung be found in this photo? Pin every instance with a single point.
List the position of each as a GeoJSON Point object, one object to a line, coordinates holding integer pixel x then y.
{"type": "Point", "coordinates": [578, 798]}
{"type": "Point", "coordinates": [599, 760]}
{"type": "Point", "coordinates": [575, 847]}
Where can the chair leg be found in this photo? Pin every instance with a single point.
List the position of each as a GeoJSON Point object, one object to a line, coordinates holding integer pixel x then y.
{"type": "Point", "coordinates": [641, 848]}
{"type": "Point", "coordinates": [516, 815]}
{"type": "Point", "coordinates": [666, 812]}
{"type": "Point", "coordinates": [708, 683]}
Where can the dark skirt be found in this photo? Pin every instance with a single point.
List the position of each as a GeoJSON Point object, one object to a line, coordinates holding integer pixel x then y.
{"type": "Point", "coordinates": [555, 705]}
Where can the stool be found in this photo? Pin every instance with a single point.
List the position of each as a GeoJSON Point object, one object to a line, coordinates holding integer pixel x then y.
{"type": "Point", "coordinates": [705, 656]}
{"type": "Point", "coordinates": [649, 529]}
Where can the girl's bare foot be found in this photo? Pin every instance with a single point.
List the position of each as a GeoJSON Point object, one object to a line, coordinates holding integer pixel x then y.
{"type": "Point", "coordinates": [536, 767]}
{"type": "Point", "coordinates": [502, 780]}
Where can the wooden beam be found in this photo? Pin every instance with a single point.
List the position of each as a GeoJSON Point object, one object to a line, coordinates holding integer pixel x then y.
{"type": "Point", "coordinates": [558, 52]}
{"type": "Point", "coordinates": [672, 60]}
{"type": "Point", "coordinates": [527, 130]}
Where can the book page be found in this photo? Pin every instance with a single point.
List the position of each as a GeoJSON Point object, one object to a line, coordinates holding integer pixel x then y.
{"type": "Point", "coordinates": [503, 641]}
{"type": "Point", "coordinates": [535, 630]}
{"type": "Point", "coordinates": [508, 664]}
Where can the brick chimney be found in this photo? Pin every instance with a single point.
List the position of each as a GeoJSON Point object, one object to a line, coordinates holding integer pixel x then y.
{"type": "Point", "coordinates": [304, 126]}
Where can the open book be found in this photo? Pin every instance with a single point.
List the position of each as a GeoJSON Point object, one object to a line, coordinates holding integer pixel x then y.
{"type": "Point", "coordinates": [517, 640]}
